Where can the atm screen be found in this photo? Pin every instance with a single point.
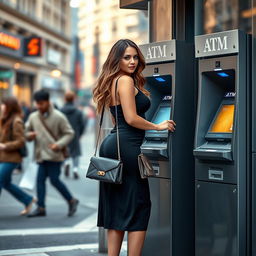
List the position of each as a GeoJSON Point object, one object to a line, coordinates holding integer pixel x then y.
{"type": "Point", "coordinates": [224, 120]}
{"type": "Point", "coordinates": [163, 113]}
{"type": "Point", "coordinates": [221, 127]}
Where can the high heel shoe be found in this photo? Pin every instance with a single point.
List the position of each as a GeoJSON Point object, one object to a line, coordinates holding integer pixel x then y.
{"type": "Point", "coordinates": [28, 207]}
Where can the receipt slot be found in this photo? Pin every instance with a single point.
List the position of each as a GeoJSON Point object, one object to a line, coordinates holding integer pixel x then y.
{"type": "Point", "coordinates": [169, 76]}
{"type": "Point", "coordinates": [221, 143]}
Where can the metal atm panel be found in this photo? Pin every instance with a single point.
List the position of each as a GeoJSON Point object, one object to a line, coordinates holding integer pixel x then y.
{"type": "Point", "coordinates": [216, 219]}
{"type": "Point", "coordinates": [221, 164]}
{"type": "Point", "coordinates": [159, 231]}
{"type": "Point", "coordinates": [170, 80]}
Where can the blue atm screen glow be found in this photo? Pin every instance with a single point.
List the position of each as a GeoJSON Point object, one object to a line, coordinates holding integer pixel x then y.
{"type": "Point", "coordinates": [223, 74]}
{"type": "Point", "coordinates": [163, 114]}
{"type": "Point", "coordinates": [160, 79]}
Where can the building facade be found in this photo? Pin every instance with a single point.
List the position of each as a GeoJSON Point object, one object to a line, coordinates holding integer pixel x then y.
{"type": "Point", "coordinates": [101, 24]}
{"type": "Point", "coordinates": [35, 45]}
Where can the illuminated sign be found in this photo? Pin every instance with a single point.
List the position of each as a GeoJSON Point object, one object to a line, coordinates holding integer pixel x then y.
{"type": "Point", "coordinates": [9, 41]}
{"type": "Point", "coordinates": [4, 85]}
{"type": "Point", "coordinates": [33, 47]}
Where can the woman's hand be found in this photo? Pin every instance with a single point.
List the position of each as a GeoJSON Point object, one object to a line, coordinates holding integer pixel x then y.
{"type": "Point", "coordinates": [166, 125]}
{"type": "Point", "coordinates": [2, 146]}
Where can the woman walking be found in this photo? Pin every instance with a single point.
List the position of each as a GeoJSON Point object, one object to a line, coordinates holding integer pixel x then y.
{"type": "Point", "coordinates": [125, 207]}
{"type": "Point", "coordinates": [12, 139]}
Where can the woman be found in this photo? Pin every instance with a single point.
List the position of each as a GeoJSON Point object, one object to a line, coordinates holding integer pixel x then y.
{"type": "Point", "coordinates": [12, 139]}
{"type": "Point", "coordinates": [125, 207]}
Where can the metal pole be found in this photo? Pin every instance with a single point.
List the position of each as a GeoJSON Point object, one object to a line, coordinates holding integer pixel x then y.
{"type": "Point", "coordinates": [103, 244]}
{"type": "Point", "coordinates": [102, 235]}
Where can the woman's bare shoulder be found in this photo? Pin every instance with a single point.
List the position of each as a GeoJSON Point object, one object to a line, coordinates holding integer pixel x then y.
{"type": "Point", "coordinates": [126, 79]}
{"type": "Point", "coordinates": [125, 82]}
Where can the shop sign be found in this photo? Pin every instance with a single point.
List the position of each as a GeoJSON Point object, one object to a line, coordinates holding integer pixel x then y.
{"type": "Point", "coordinates": [53, 57]}
{"type": "Point", "coordinates": [217, 43]}
{"type": "Point", "coordinates": [9, 41]}
{"type": "Point", "coordinates": [33, 47]}
{"type": "Point", "coordinates": [7, 74]}
{"type": "Point", "coordinates": [51, 83]}
{"type": "Point", "coordinates": [4, 85]}
{"type": "Point", "coordinates": [10, 44]}
{"type": "Point", "coordinates": [159, 52]}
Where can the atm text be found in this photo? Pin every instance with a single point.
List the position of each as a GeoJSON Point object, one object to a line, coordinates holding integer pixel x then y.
{"type": "Point", "coordinates": [158, 51]}
{"type": "Point", "coordinates": [215, 44]}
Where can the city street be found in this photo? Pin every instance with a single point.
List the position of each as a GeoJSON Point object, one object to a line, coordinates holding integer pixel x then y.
{"type": "Point", "coordinates": [56, 234]}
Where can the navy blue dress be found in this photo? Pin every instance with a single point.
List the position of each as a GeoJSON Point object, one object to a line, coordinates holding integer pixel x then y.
{"type": "Point", "coordinates": [126, 206]}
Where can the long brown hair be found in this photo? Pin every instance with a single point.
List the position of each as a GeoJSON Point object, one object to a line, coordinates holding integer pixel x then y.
{"type": "Point", "coordinates": [110, 69]}
{"type": "Point", "coordinates": [13, 109]}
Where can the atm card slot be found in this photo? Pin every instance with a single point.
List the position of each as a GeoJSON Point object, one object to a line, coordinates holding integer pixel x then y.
{"type": "Point", "coordinates": [215, 174]}
{"type": "Point", "coordinates": [213, 154]}
{"type": "Point", "coordinates": [155, 152]}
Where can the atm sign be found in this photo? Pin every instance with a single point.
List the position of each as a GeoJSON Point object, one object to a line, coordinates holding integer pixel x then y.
{"type": "Point", "coordinates": [9, 41]}
{"type": "Point", "coordinates": [230, 94]}
{"type": "Point", "coordinates": [33, 47]}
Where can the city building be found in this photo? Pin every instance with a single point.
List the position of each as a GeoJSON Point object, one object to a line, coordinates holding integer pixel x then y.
{"type": "Point", "coordinates": [35, 48]}
{"type": "Point", "coordinates": [101, 24]}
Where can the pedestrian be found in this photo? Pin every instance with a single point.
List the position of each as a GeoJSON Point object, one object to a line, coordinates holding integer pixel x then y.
{"type": "Point", "coordinates": [12, 139]}
{"type": "Point", "coordinates": [25, 113]}
{"type": "Point", "coordinates": [52, 132]}
{"type": "Point", "coordinates": [125, 207]}
{"type": "Point", "coordinates": [77, 121]}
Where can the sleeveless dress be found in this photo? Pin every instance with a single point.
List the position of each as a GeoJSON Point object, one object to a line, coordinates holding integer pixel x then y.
{"type": "Point", "coordinates": [125, 206]}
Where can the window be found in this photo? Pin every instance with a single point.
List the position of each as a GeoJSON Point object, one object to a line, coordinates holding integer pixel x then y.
{"type": "Point", "coordinates": [114, 28]}
{"type": "Point", "coordinates": [63, 25]}
{"type": "Point", "coordinates": [46, 15]}
{"type": "Point", "coordinates": [221, 15]}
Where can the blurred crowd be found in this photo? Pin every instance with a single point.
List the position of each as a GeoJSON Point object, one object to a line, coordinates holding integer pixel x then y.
{"type": "Point", "coordinates": [56, 134]}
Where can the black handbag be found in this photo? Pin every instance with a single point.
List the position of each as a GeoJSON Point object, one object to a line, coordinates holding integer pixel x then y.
{"type": "Point", "coordinates": [102, 168]}
{"type": "Point", "coordinates": [145, 167]}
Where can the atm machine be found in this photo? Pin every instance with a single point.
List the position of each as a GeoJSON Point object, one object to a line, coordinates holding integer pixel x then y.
{"type": "Point", "coordinates": [222, 140]}
{"type": "Point", "coordinates": [169, 76]}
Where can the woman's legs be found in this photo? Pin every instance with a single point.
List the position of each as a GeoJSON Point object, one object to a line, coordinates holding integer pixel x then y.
{"type": "Point", "coordinates": [135, 242]}
{"type": "Point", "coordinates": [6, 170]}
{"type": "Point", "coordinates": [115, 239]}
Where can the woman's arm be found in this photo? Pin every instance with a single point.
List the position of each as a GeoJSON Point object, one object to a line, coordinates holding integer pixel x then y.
{"type": "Point", "coordinates": [18, 137]}
{"type": "Point", "coordinates": [126, 92]}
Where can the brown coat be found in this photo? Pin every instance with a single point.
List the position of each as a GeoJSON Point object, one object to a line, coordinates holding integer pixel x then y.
{"type": "Point", "coordinates": [13, 140]}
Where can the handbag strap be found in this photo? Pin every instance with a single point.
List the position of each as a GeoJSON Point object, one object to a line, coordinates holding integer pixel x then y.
{"type": "Point", "coordinates": [117, 128]}
{"type": "Point", "coordinates": [47, 127]}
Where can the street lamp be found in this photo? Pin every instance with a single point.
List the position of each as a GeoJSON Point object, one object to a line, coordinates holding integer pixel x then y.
{"type": "Point", "coordinates": [56, 73]}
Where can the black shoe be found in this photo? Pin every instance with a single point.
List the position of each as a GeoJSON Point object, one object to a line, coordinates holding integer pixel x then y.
{"type": "Point", "coordinates": [39, 212]}
{"type": "Point", "coordinates": [76, 176]}
{"type": "Point", "coordinates": [66, 170]}
{"type": "Point", "coordinates": [72, 207]}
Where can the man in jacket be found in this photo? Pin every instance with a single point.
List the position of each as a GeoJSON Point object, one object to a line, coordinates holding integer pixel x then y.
{"type": "Point", "coordinates": [51, 132]}
{"type": "Point", "coordinates": [77, 121]}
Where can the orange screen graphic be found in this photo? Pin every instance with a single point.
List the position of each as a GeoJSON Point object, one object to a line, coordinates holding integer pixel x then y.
{"type": "Point", "coordinates": [224, 120]}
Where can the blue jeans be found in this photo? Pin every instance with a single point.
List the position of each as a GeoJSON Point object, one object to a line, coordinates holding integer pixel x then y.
{"type": "Point", "coordinates": [51, 170]}
{"type": "Point", "coordinates": [75, 160]}
{"type": "Point", "coordinates": [6, 170]}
